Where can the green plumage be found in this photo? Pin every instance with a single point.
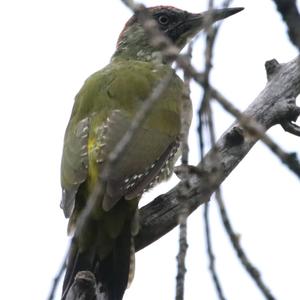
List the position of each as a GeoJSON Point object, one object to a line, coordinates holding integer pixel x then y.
{"type": "Point", "coordinates": [120, 88]}
{"type": "Point", "coordinates": [102, 113]}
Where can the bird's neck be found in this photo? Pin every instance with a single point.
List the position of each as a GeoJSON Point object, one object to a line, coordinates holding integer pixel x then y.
{"type": "Point", "coordinates": [133, 44]}
{"type": "Point", "coordinates": [140, 54]}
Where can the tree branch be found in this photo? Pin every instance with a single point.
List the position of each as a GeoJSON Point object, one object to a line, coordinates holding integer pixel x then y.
{"type": "Point", "coordinates": [270, 107]}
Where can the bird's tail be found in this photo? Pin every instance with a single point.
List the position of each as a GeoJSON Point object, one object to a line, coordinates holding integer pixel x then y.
{"type": "Point", "coordinates": [113, 273]}
{"type": "Point", "coordinates": [76, 261]}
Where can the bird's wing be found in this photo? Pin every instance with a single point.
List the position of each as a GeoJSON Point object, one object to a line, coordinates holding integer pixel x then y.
{"type": "Point", "coordinates": [102, 113]}
{"type": "Point", "coordinates": [74, 165]}
{"type": "Point", "coordinates": [147, 160]}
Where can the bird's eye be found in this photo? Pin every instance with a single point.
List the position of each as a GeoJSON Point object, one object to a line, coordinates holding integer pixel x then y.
{"type": "Point", "coordinates": [163, 20]}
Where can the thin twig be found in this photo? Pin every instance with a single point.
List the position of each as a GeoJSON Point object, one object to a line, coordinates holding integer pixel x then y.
{"type": "Point", "coordinates": [56, 280]}
{"type": "Point", "coordinates": [183, 245]}
{"type": "Point", "coordinates": [182, 218]}
{"type": "Point", "coordinates": [253, 271]}
{"type": "Point", "coordinates": [205, 115]}
{"type": "Point", "coordinates": [211, 256]}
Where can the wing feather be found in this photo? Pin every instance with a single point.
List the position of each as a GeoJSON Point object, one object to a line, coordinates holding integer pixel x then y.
{"type": "Point", "coordinates": [74, 165]}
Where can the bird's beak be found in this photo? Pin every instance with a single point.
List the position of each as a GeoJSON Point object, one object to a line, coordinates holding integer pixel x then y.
{"type": "Point", "coordinates": [193, 23]}
{"type": "Point", "coordinates": [196, 22]}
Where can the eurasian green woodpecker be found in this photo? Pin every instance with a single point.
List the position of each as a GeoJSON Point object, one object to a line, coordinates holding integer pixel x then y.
{"type": "Point", "coordinates": [102, 113]}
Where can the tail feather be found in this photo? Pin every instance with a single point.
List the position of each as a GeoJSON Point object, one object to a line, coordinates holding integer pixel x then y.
{"type": "Point", "coordinates": [112, 273]}
{"type": "Point", "coordinates": [114, 270]}
{"type": "Point", "coordinates": [77, 261]}
{"type": "Point", "coordinates": [131, 263]}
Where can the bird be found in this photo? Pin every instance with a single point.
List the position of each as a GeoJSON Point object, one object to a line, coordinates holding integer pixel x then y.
{"type": "Point", "coordinates": [103, 111]}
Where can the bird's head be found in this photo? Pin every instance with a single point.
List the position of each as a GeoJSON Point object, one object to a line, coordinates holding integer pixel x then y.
{"type": "Point", "coordinates": [178, 25]}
